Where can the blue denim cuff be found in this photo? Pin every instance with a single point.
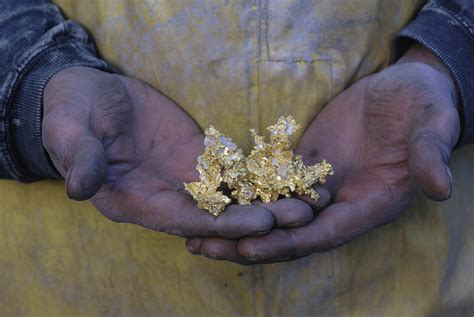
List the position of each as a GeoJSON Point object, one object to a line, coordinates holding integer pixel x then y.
{"type": "Point", "coordinates": [449, 38]}
{"type": "Point", "coordinates": [26, 157]}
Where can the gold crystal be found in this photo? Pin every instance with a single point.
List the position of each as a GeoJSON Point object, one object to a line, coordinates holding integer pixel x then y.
{"type": "Point", "coordinates": [270, 171]}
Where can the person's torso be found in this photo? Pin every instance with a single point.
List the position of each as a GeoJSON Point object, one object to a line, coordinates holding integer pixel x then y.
{"type": "Point", "coordinates": [242, 64]}
{"type": "Point", "coordinates": [236, 65]}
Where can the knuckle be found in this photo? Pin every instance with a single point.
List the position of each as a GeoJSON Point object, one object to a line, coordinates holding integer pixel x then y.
{"type": "Point", "coordinates": [222, 228]}
{"type": "Point", "coordinates": [238, 221]}
{"type": "Point", "coordinates": [299, 205]}
{"type": "Point", "coordinates": [211, 251]}
{"type": "Point", "coordinates": [425, 141]}
{"type": "Point", "coordinates": [330, 237]}
{"type": "Point", "coordinates": [264, 222]}
{"type": "Point", "coordinates": [300, 213]}
{"type": "Point", "coordinates": [248, 250]}
{"type": "Point", "coordinates": [451, 114]}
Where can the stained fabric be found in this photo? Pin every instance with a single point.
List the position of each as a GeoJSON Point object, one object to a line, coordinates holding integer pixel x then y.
{"type": "Point", "coordinates": [236, 64]}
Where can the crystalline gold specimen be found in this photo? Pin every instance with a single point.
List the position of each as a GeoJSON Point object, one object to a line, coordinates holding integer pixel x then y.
{"type": "Point", "coordinates": [270, 170]}
{"type": "Point", "coordinates": [219, 163]}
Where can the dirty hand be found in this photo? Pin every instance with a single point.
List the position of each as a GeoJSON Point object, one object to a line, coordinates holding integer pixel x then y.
{"type": "Point", "coordinates": [387, 136]}
{"type": "Point", "coordinates": [129, 148]}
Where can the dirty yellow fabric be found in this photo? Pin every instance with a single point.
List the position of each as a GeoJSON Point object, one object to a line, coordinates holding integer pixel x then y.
{"type": "Point", "coordinates": [236, 64]}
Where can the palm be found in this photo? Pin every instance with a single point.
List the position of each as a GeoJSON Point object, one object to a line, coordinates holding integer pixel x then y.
{"type": "Point", "coordinates": [388, 135]}
{"type": "Point", "coordinates": [151, 155]}
{"type": "Point", "coordinates": [156, 131]}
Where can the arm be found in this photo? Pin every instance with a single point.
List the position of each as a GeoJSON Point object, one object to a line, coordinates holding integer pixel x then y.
{"type": "Point", "coordinates": [35, 43]}
{"type": "Point", "coordinates": [112, 138]}
{"type": "Point", "coordinates": [387, 136]}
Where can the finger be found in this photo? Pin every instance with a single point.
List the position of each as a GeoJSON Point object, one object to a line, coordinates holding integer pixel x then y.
{"type": "Point", "coordinates": [289, 212]}
{"type": "Point", "coordinates": [194, 245]}
{"type": "Point", "coordinates": [323, 234]}
{"type": "Point", "coordinates": [176, 213]}
{"type": "Point", "coordinates": [228, 250]}
{"type": "Point", "coordinates": [222, 250]}
{"type": "Point", "coordinates": [311, 157]}
{"type": "Point", "coordinates": [428, 163]}
{"type": "Point", "coordinates": [87, 170]}
{"type": "Point", "coordinates": [277, 245]}
{"type": "Point", "coordinates": [77, 154]}
{"type": "Point", "coordinates": [334, 226]}
{"type": "Point", "coordinates": [241, 220]}
{"type": "Point", "coordinates": [429, 152]}
{"type": "Point", "coordinates": [323, 201]}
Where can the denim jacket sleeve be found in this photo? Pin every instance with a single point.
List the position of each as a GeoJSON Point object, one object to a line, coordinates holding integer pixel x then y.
{"type": "Point", "coordinates": [35, 43]}
{"type": "Point", "coordinates": [446, 27]}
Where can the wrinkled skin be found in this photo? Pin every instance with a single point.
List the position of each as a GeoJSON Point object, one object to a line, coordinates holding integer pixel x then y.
{"type": "Point", "coordinates": [130, 148]}
{"type": "Point", "coordinates": [387, 136]}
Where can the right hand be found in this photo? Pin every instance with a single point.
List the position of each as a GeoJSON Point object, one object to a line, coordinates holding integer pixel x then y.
{"type": "Point", "coordinates": [129, 148]}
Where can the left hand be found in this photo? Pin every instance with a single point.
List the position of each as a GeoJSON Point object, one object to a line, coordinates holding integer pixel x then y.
{"type": "Point", "coordinates": [387, 136]}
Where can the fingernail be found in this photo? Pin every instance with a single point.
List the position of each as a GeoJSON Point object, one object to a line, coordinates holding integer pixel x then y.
{"type": "Point", "coordinates": [450, 177]}
{"type": "Point", "coordinates": [254, 259]}
{"type": "Point", "coordinates": [68, 185]}
{"type": "Point", "coordinates": [210, 256]}
{"type": "Point", "coordinates": [261, 233]}
{"type": "Point", "coordinates": [297, 224]}
{"type": "Point", "coordinates": [193, 245]}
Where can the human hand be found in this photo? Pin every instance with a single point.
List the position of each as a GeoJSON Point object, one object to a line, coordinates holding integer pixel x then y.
{"type": "Point", "coordinates": [387, 136]}
{"type": "Point", "coordinates": [130, 148]}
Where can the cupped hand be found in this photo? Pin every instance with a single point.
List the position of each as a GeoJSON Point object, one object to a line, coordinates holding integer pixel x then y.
{"type": "Point", "coordinates": [387, 136]}
{"type": "Point", "coordinates": [129, 148]}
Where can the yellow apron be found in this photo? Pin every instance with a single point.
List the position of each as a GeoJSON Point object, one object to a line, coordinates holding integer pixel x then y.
{"type": "Point", "coordinates": [236, 64]}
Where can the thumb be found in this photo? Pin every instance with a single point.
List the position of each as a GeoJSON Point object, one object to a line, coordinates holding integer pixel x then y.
{"type": "Point", "coordinates": [77, 154]}
{"type": "Point", "coordinates": [429, 150]}
{"type": "Point", "coordinates": [87, 169]}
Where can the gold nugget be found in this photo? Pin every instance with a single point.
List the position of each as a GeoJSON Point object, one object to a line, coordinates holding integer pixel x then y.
{"type": "Point", "coordinates": [270, 170]}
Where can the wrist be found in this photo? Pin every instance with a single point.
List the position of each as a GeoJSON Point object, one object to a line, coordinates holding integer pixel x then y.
{"type": "Point", "coordinates": [418, 53]}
